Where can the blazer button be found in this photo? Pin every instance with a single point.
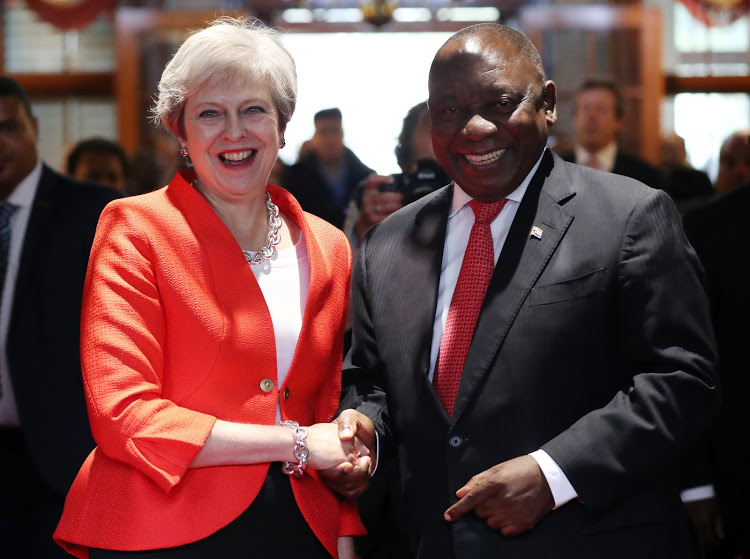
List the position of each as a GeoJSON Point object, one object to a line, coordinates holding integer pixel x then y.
{"type": "Point", "coordinates": [266, 385]}
{"type": "Point", "coordinates": [455, 441]}
{"type": "Point", "coordinates": [286, 393]}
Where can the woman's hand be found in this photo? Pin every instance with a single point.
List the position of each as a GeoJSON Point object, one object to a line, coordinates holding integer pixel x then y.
{"type": "Point", "coordinates": [327, 450]}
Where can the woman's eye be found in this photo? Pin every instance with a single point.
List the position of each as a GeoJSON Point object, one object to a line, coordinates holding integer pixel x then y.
{"type": "Point", "coordinates": [255, 109]}
{"type": "Point", "coordinates": [208, 113]}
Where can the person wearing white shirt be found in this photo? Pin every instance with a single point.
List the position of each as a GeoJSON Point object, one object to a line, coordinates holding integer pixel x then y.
{"type": "Point", "coordinates": [44, 431]}
{"type": "Point", "coordinates": [598, 119]}
{"type": "Point", "coordinates": [585, 371]}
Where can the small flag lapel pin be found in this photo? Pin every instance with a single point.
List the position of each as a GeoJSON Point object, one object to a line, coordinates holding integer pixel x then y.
{"type": "Point", "coordinates": [536, 232]}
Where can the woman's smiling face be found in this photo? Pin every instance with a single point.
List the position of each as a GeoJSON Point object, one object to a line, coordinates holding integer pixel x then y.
{"type": "Point", "coordinates": [231, 131]}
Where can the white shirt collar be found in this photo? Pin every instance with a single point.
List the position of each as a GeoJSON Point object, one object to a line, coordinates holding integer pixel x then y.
{"type": "Point", "coordinates": [460, 198]}
{"type": "Point", "coordinates": [23, 195]}
{"type": "Point", "coordinates": [606, 156]}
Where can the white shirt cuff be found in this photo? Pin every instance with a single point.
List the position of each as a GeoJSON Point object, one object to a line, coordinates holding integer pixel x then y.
{"type": "Point", "coordinates": [699, 493]}
{"type": "Point", "coordinates": [377, 454]}
{"type": "Point", "coordinates": [562, 490]}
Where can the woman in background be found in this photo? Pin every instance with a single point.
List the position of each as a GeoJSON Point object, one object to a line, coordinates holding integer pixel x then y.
{"type": "Point", "coordinates": [212, 330]}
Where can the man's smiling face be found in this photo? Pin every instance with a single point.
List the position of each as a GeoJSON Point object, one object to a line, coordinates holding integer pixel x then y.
{"type": "Point", "coordinates": [490, 115]}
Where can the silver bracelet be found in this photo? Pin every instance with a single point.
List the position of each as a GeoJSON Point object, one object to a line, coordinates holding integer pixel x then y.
{"type": "Point", "coordinates": [301, 452]}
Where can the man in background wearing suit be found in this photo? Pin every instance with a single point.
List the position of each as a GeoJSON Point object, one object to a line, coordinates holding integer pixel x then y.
{"type": "Point", "coordinates": [599, 113]}
{"type": "Point", "coordinates": [734, 161]}
{"type": "Point", "coordinates": [327, 172]}
{"type": "Point", "coordinates": [533, 368]}
{"type": "Point", "coordinates": [47, 224]}
{"type": "Point", "coordinates": [721, 237]}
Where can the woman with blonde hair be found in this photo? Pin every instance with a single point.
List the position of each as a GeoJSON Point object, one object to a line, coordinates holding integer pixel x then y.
{"type": "Point", "coordinates": [212, 333]}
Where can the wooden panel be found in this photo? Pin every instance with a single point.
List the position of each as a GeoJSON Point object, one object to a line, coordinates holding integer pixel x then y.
{"type": "Point", "coordinates": [64, 85]}
{"type": "Point", "coordinates": [131, 24]}
{"type": "Point", "coordinates": [632, 37]}
{"type": "Point", "coordinates": [713, 84]}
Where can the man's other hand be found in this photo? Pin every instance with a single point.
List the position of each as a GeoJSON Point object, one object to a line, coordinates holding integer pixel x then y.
{"type": "Point", "coordinates": [513, 496]}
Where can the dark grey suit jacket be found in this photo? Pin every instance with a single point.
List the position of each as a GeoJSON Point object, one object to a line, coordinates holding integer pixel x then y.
{"type": "Point", "coordinates": [43, 338]}
{"type": "Point", "coordinates": [594, 343]}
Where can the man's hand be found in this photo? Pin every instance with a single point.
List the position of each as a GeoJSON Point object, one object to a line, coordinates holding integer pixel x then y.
{"type": "Point", "coordinates": [512, 496]}
{"type": "Point", "coordinates": [706, 517]}
{"type": "Point", "coordinates": [359, 429]}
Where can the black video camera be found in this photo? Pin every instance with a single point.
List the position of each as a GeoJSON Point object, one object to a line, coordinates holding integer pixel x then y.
{"type": "Point", "coordinates": [428, 177]}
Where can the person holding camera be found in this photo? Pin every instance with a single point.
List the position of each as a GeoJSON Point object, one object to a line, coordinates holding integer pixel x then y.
{"type": "Point", "coordinates": [379, 196]}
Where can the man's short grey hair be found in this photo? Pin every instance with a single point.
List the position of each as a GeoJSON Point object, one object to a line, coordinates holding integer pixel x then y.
{"type": "Point", "coordinates": [232, 51]}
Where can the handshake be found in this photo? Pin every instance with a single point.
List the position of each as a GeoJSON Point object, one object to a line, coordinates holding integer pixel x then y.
{"type": "Point", "coordinates": [344, 452]}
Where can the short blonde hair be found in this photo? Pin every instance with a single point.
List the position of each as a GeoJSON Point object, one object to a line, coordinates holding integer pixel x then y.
{"type": "Point", "coordinates": [230, 50]}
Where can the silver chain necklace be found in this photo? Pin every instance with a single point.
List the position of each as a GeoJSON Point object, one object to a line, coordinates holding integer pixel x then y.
{"type": "Point", "coordinates": [274, 237]}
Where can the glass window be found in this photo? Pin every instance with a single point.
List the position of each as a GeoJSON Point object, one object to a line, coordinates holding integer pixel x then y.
{"type": "Point", "coordinates": [63, 122]}
{"type": "Point", "coordinates": [709, 51]}
{"type": "Point", "coordinates": [705, 120]}
{"type": "Point", "coordinates": [373, 93]}
{"type": "Point", "coordinates": [34, 46]}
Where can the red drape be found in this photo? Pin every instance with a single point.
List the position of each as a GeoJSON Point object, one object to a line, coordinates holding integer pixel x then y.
{"type": "Point", "coordinates": [69, 14]}
{"type": "Point", "coordinates": [717, 12]}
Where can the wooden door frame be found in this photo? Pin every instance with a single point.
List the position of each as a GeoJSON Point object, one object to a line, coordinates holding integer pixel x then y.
{"type": "Point", "coordinates": [645, 19]}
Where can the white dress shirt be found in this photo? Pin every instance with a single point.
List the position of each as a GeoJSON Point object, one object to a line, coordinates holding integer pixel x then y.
{"type": "Point", "coordinates": [605, 157]}
{"type": "Point", "coordinates": [23, 198]}
{"type": "Point", "coordinates": [460, 222]}
{"type": "Point", "coordinates": [284, 280]}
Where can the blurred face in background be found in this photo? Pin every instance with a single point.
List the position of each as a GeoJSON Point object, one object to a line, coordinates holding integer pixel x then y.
{"type": "Point", "coordinates": [422, 139]}
{"type": "Point", "coordinates": [104, 168]}
{"type": "Point", "coordinates": [18, 139]}
{"type": "Point", "coordinates": [672, 151]}
{"type": "Point", "coordinates": [734, 162]}
{"type": "Point", "coordinates": [596, 121]}
{"type": "Point", "coordinates": [329, 140]}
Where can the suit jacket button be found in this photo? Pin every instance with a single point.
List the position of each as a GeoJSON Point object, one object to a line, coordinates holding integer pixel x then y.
{"type": "Point", "coordinates": [266, 385]}
{"type": "Point", "coordinates": [455, 441]}
{"type": "Point", "coordinates": [286, 393]}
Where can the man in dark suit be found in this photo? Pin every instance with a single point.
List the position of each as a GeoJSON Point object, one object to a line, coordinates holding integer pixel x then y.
{"type": "Point", "coordinates": [720, 235]}
{"type": "Point", "coordinates": [47, 232]}
{"type": "Point", "coordinates": [734, 161]}
{"type": "Point", "coordinates": [599, 113]}
{"type": "Point", "coordinates": [544, 427]}
{"type": "Point", "coordinates": [325, 176]}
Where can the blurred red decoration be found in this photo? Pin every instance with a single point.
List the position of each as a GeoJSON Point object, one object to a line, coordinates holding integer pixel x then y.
{"type": "Point", "coordinates": [69, 14]}
{"type": "Point", "coordinates": [714, 13]}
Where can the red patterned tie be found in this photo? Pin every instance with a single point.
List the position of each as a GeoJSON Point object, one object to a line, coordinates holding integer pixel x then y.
{"type": "Point", "coordinates": [476, 271]}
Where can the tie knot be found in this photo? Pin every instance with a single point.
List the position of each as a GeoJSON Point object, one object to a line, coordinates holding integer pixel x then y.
{"type": "Point", "coordinates": [485, 213]}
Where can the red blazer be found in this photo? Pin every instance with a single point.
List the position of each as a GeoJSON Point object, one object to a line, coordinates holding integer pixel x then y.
{"type": "Point", "coordinates": [176, 334]}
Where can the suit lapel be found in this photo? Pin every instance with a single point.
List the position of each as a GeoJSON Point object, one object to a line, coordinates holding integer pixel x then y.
{"type": "Point", "coordinates": [425, 256]}
{"type": "Point", "coordinates": [520, 264]}
{"type": "Point", "coordinates": [38, 228]}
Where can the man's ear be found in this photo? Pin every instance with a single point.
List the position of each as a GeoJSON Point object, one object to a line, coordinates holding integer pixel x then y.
{"type": "Point", "coordinates": [549, 98]}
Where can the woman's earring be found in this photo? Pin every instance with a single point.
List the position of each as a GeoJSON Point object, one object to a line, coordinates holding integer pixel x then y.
{"type": "Point", "coordinates": [283, 142]}
{"type": "Point", "coordinates": [184, 151]}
